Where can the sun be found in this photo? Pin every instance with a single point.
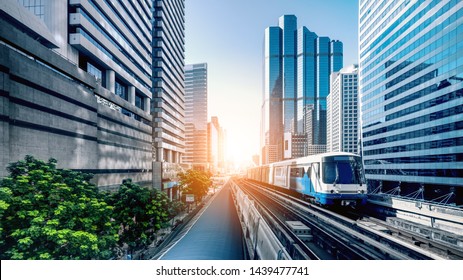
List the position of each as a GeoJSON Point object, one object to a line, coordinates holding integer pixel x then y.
{"type": "Point", "coordinates": [239, 153]}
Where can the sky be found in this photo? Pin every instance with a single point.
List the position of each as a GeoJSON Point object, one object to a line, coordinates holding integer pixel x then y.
{"type": "Point", "coordinates": [228, 35]}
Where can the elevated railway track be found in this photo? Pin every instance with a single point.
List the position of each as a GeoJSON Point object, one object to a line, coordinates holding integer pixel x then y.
{"type": "Point", "coordinates": [335, 236]}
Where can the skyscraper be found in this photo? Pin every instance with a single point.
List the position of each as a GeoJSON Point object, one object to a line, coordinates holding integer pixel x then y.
{"type": "Point", "coordinates": [342, 112]}
{"type": "Point", "coordinates": [168, 106]}
{"type": "Point", "coordinates": [196, 147]}
{"type": "Point", "coordinates": [216, 143]}
{"type": "Point", "coordinates": [288, 26]}
{"type": "Point", "coordinates": [272, 109]}
{"type": "Point", "coordinates": [76, 86]}
{"type": "Point", "coordinates": [297, 66]}
{"type": "Point", "coordinates": [411, 89]}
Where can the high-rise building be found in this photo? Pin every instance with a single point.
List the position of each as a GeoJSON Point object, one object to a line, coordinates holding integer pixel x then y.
{"type": "Point", "coordinates": [168, 106]}
{"type": "Point", "coordinates": [288, 27]}
{"type": "Point", "coordinates": [411, 90]}
{"type": "Point", "coordinates": [216, 143]}
{"type": "Point", "coordinates": [342, 112]}
{"type": "Point", "coordinates": [272, 110]}
{"type": "Point", "coordinates": [76, 86]}
{"type": "Point", "coordinates": [297, 67]}
{"type": "Point", "coordinates": [196, 147]}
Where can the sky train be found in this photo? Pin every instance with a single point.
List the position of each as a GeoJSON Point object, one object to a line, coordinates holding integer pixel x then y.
{"type": "Point", "coordinates": [335, 178]}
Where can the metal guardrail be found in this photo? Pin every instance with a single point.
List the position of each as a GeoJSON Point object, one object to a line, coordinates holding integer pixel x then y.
{"type": "Point", "coordinates": [260, 240]}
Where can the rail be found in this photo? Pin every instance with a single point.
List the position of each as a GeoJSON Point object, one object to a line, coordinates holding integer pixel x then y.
{"type": "Point", "coordinates": [362, 242]}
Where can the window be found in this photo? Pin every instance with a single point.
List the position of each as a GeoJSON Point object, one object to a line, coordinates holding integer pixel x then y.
{"type": "Point", "coordinates": [121, 90]}
{"type": "Point", "coordinates": [139, 101]}
{"type": "Point", "coordinates": [95, 71]}
{"type": "Point", "coordinates": [297, 172]}
{"type": "Point", "coordinates": [36, 7]}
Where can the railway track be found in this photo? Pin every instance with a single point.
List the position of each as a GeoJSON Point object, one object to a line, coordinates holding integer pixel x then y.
{"type": "Point", "coordinates": [335, 235]}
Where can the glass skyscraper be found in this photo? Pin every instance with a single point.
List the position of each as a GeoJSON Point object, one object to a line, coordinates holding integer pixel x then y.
{"type": "Point", "coordinates": [272, 117]}
{"type": "Point", "coordinates": [297, 68]}
{"type": "Point", "coordinates": [288, 26]}
{"type": "Point", "coordinates": [411, 89]}
{"type": "Point", "coordinates": [196, 146]}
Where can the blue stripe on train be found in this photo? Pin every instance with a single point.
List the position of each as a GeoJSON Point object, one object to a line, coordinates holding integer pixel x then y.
{"type": "Point", "coordinates": [330, 199]}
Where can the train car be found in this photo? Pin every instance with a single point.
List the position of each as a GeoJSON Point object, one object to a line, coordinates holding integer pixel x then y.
{"type": "Point", "coordinates": [335, 178]}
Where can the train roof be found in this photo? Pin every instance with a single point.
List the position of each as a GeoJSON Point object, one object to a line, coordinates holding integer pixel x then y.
{"type": "Point", "coordinates": [310, 158]}
{"type": "Point", "coordinates": [316, 157]}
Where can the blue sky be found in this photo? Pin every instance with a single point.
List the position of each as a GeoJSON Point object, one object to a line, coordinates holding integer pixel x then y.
{"type": "Point", "coordinates": [228, 36]}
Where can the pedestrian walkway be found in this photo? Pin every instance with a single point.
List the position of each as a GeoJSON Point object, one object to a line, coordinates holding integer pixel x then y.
{"type": "Point", "coordinates": [213, 234]}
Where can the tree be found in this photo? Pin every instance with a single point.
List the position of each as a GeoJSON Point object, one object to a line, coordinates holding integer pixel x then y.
{"type": "Point", "coordinates": [139, 212]}
{"type": "Point", "coordinates": [195, 182]}
{"type": "Point", "coordinates": [49, 213]}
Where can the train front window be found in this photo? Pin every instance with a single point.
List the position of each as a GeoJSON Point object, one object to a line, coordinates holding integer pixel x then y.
{"type": "Point", "coordinates": [342, 170]}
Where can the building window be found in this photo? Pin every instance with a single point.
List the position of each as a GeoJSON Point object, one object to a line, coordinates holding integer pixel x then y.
{"type": "Point", "coordinates": [126, 112]}
{"type": "Point", "coordinates": [139, 101]}
{"type": "Point", "coordinates": [121, 90]}
{"type": "Point", "coordinates": [37, 7]}
{"type": "Point", "coordinates": [95, 71]}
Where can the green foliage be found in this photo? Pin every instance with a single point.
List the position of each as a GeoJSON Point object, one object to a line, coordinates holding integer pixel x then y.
{"type": "Point", "coordinates": [140, 212]}
{"type": "Point", "coordinates": [195, 182]}
{"type": "Point", "coordinates": [175, 207]}
{"type": "Point", "coordinates": [48, 213]}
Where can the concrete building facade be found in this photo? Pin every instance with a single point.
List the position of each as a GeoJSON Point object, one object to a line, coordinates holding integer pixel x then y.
{"type": "Point", "coordinates": [216, 145]}
{"type": "Point", "coordinates": [168, 105]}
{"type": "Point", "coordinates": [75, 86]}
{"type": "Point", "coordinates": [342, 112]}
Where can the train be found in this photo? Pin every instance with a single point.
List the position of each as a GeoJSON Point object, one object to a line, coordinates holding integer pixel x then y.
{"type": "Point", "coordinates": [327, 179]}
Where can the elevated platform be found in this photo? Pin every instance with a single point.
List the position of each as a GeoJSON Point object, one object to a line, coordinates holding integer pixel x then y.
{"type": "Point", "coordinates": [213, 234]}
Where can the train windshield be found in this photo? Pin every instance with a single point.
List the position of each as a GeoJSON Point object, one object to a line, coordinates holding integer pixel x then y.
{"type": "Point", "coordinates": [343, 170]}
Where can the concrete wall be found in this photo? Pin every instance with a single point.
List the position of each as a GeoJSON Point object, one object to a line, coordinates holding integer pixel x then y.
{"type": "Point", "coordinates": [48, 108]}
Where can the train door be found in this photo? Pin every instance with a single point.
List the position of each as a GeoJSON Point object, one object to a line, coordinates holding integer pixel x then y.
{"type": "Point", "coordinates": [271, 172]}
{"type": "Point", "coordinates": [279, 178]}
{"type": "Point", "coordinates": [306, 180]}
{"type": "Point", "coordinates": [296, 173]}
{"type": "Point", "coordinates": [265, 174]}
{"type": "Point", "coordinates": [315, 177]}
{"type": "Point", "coordinates": [301, 178]}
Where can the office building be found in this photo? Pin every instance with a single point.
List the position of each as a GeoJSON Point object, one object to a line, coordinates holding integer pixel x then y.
{"type": "Point", "coordinates": [168, 106]}
{"type": "Point", "coordinates": [216, 145]}
{"type": "Point", "coordinates": [271, 136]}
{"type": "Point", "coordinates": [297, 68]}
{"type": "Point", "coordinates": [196, 147]}
{"type": "Point", "coordinates": [411, 90]}
{"type": "Point", "coordinates": [75, 85]}
{"type": "Point", "coordinates": [342, 112]}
